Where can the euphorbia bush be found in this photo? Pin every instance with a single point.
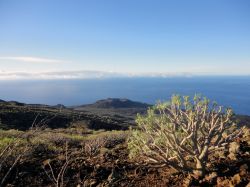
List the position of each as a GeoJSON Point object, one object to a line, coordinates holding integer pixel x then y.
{"type": "Point", "coordinates": [182, 133]}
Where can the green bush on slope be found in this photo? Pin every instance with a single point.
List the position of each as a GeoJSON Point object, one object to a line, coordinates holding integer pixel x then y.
{"type": "Point", "coordinates": [182, 133]}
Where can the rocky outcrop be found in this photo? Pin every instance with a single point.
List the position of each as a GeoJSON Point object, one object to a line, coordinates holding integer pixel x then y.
{"type": "Point", "coordinates": [117, 103]}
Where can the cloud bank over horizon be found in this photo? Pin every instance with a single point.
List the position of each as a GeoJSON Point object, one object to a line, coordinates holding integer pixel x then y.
{"type": "Point", "coordinates": [81, 75]}
{"type": "Point", "coordinates": [85, 74]}
{"type": "Point", "coordinates": [40, 68]}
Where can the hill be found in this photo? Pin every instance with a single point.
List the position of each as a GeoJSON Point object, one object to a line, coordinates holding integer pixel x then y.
{"type": "Point", "coordinates": [117, 103]}
{"type": "Point", "coordinates": [2, 101]}
{"type": "Point", "coordinates": [123, 109]}
{"type": "Point", "coordinates": [109, 114]}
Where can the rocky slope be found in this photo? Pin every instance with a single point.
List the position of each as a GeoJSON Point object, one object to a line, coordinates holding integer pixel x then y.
{"type": "Point", "coordinates": [110, 114]}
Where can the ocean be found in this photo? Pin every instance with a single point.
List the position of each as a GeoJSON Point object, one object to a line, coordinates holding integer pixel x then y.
{"type": "Point", "coordinates": [227, 91]}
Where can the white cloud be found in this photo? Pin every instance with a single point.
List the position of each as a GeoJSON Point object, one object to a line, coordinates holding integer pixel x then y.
{"type": "Point", "coordinates": [31, 59]}
{"type": "Point", "coordinates": [54, 75]}
{"type": "Point", "coordinates": [84, 74]}
{"type": "Point", "coordinates": [4, 75]}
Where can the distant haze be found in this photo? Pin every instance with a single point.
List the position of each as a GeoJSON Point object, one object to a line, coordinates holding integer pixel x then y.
{"type": "Point", "coordinates": [82, 75]}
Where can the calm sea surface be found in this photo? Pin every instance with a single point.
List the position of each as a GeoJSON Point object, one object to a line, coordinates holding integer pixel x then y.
{"type": "Point", "coordinates": [228, 91]}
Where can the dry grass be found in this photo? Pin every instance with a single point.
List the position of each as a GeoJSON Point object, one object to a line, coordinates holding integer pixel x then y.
{"type": "Point", "coordinates": [99, 158]}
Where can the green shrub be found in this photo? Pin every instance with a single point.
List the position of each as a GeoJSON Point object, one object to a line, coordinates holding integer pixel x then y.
{"type": "Point", "coordinates": [182, 133]}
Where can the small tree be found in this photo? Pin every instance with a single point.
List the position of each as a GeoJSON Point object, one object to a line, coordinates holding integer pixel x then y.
{"type": "Point", "coordinates": [182, 133]}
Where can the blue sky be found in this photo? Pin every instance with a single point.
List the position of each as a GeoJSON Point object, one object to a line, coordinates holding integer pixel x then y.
{"type": "Point", "coordinates": [42, 37]}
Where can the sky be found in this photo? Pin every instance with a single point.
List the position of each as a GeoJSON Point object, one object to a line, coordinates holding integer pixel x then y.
{"type": "Point", "coordinates": [84, 38]}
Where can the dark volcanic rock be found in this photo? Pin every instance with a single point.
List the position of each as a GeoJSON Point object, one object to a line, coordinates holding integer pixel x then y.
{"type": "Point", "coordinates": [22, 117]}
{"type": "Point", "coordinates": [59, 106]}
{"type": "Point", "coordinates": [117, 103]}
